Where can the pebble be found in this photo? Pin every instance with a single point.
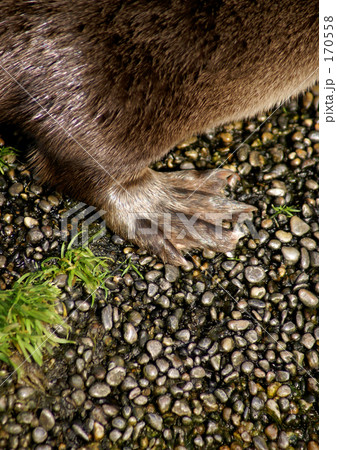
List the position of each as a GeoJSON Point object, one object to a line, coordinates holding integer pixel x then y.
{"type": "Point", "coordinates": [207, 298]}
{"type": "Point", "coordinates": [314, 136]}
{"type": "Point", "coordinates": [258, 292]}
{"type": "Point", "coordinates": [172, 273]}
{"type": "Point", "coordinates": [152, 275]}
{"type": "Point", "coordinates": [308, 243]}
{"type": "Point", "coordinates": [164, 403]}
{"type": "Point", "coordinates": [99, 390]}
{"type": "Point", "coordinates": [255, 274]}
{"type": "Point", "coordinates": [130, 333]}
{"type": "Point", "coordinates": [183, 335]}
{"type": "Point", "coordinates": [47, 420]}
{"type": "Point", "coordinates": [181, 408]}
{"type": "Point", "coordinates": [99, 431]}
{"type": "Point", "coordinates": [198, 372]}
{"type": "Point", "coordinates": [16, 189]}
{"type": "Point", "coordinates": [273, 408]}
{"type": "Point", "coordinates": [308, 298]}
{"type": "Point", "coordinates": [238, 325]}
{"type": "Point", "coordinates": [116, 376]}
{"type": "Point", "coordinates": [115, 435]}
{"type": "Point", "coordinates": [228, 344]}
{"type": "Point", "coordinates": [283, 440]}
{"type": "Point", "coordinates": [308, 340]}
{"type": "Point", "coordinates": [3, 260]}
{"type": "Point", "coordinates": [154, 347]}
{"type": "Point", "coordinates": [260, 443]}
{"type": "Point", "coordinates": [30, 222]}
{"type": "Point", "coordinates": [34, 235]}
{"type": "Point", "coordinates": [271, 432]}
{"type": "Point", "coordinates": [107, 317]}
{"type": "Point", "coordinates": [283, 236]}
{"type": "Point", "coordinates": [155, 421]}
{"type": "Point", "coordinates": [25, 393]}
{"type": "Point", "coordinates": [150, 372]}
{"type": "Point", "coordinates": [45, 206]}
{"type": "Point", "coordinates": [298, 226]}
{"type": "Point", "coordinates": [291, 255]}
{"type": "Point", "coordinates": [39, 435]}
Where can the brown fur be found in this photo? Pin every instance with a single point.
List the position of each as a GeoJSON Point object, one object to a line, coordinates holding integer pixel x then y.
{"type": "Point", "coordinates": [107, 87]}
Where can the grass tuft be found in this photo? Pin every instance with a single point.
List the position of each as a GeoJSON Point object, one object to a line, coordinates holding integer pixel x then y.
{"type": "Point", "coordinates": [287, 210]}
{"type": "Point", "coordinates": [129, 266]}
{"type": "Point", "coordinates": [5, 152]}
{"type": "Point", "coordinates": [27, 310]}
{"type": "Point", "coordinates": [80, 265]}
{"type": "Point", "coordinates": [27, 313]}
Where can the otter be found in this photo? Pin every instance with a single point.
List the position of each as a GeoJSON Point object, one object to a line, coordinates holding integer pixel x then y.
{"type": "Point", "coordinates": [108, 87]}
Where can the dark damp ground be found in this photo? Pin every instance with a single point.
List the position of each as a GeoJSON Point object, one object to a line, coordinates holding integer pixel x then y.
{"type": "Point", "coordinates": [220, 355]}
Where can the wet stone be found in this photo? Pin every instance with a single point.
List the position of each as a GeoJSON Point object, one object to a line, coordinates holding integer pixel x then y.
{"type": "Point", "coordinates": [115, 435]}
{"type": "Point", "coordinates": [258, 292]}
{"type": "Point", "coordinates": [119, 422]}
{"type": "Point", "coordinates": [47, 420]}
{"type": "Point", "coordinates": [164, 403]}
{"type": "Point", "coordinates": [198, 372]}
{"type": "Point", "coordinates": [183, 335]}
{"type": "Point", "coordinates": [45, 206]}
{"type": "Point", "coordinates": [237, 358]}
{"type": "Point", "coordinates": [153, 275]}
{"type": "Point", "coordinates": [312, 357]}
{"type": "Point", "coordinates": [283, 440]}
{"type": "Point", "coordinates": [314, 136]}
{"type": "Point", "coordinates": [209, 402]}
{"type": "Point", "coordinates": [283, 236]}
{"type": "Point", "coordinates": [260, 443]}
{"type": "Point", "coordinates": [271, 432]}
{"type": "Point", "coordinates": [181, 408]}
{"type": "Point", "coordinates": [273, 408]}
{"type": "Point", "coordinates": [284, 391]}
{"type": "Point", "coordinates": [227, 344]}
{"type": "Point", "coordinates": [207, 298]}
{"type": "Point", "coordinates": [30, 222]}
{"type": "Point", "coordinates": [257, 403]}
{"type": "Point", "coordinates": [247, 367]}
{"type": "Point", "coordinates": [291, 255]}
{"type": "Point", "coordinates": [34, 236]}
{"type": "Point", "coordinates": [172, 273]}
{"type": "Point", "coordinates": [308, 243]}
{"type": "Point", "coordinates": [107, 317]}
{"type": "Point", "coordinates": [238, 325]}
{"type": "Point", "coordinates": [308, 298]}
{"type": "Point", "coordinates": [99, 390]}
{"type": "Point", "coordinates": [15, 189]}
{"type": "Point", "coordinates": [130, 333]}
{"type": "Point", "coordinates": [298, 226]}
{"type": "Point", "coordinates": [308, 340]}
{"type": "Point", "coordinates": [2, 261]}
{"type": "Point", "coordinates": [255, 274]}
{"type": "Point", "coordinates": [154, 347]}
{"type": "Point", "coordinates": [39, 435]}
{"type": "Point", "coordinates": [155, 421]}
{"type": "Point", "coordinates": [140, 286]}
{"type": "Point", "coordinates": [150, 372]}
{"type": "Point", "coordinates": [78, 397]}
{"type": "Point", "coordinates": [289, 328]}
{"type": "Point", "coordinates": [25, 393]}
{"type": "Point", "coordinates": [116, 376]}
{"type": "Point", "coordinates": [152, 290]}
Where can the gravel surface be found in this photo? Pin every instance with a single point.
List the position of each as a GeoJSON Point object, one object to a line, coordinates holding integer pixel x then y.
{"type": "Point", "coordinates": [222, 354]}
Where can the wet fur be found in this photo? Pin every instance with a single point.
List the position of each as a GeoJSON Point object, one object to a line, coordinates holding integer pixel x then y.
{"type": "Point", "coordinates": [117, 84]}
